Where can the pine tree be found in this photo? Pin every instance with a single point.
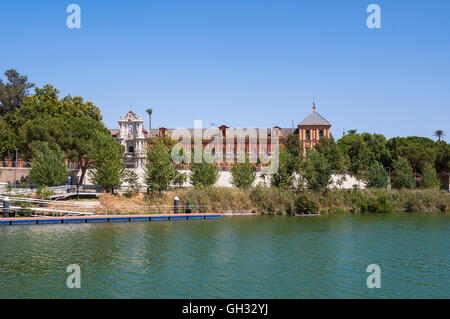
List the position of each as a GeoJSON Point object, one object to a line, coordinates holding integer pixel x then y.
{"type": "Point", "coordinates": [376, 176]}
{"type": "Point", "coordinates": [430, 178]}
{"type": "Point", "coordinates": [404, 176]}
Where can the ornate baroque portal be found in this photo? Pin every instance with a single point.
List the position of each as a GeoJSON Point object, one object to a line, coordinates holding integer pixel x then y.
{"type": "Point", "coordinates": [131, 135]}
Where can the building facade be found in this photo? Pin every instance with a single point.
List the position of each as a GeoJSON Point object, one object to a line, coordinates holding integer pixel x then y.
{"type": "Point", "coordinates": [136, 139]}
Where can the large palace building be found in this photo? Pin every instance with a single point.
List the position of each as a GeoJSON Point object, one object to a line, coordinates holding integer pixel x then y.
{"type": "Point", "coordinates": [136, 139]}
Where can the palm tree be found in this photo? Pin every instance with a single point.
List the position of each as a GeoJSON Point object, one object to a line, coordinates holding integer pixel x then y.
{"type": "Point", "coordinates": [149, 112]}
{"type": "Point", "coordinates": [439, 134]}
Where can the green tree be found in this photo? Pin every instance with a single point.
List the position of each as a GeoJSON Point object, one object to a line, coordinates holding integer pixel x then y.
{"type": "Point", "coordinates": [132, 179]}
{"type": "Point", "coordinates": [356, 149]}
{"type": "Point", "coordinates": [442, 163]}
{"type": "Point", "coordinates": [377, 176]}
{"type": "Point", "coordinates": [418, 150]}
{"type": "Point", "coordinates": [204, 174]}
{"type": "Point", "coordinates": [318, 172]}
{"type": "Point", "coordinates": [430, 178]}
{"type": "Point", "coordinates": [14, 92]}
{"type": "Point", "coordinates": [159, 169]}
{"type": "Point", "coordinates": [243, 175]}
{"type": "Point", "coordinates": [439, 134]}
{"type": "Point", "coordinates": [333, 153]}
{"type": "Point", "coordinates": [404, 176]}
{"type": "Point", "coordinates": [107, 168]}
{"type": "Point", "coordinates": [47, 168]}
{"type": "Point", "coordinates": [283, 178]}
{"type": "Point", "coordinates": [8, 139]}
{"type": "Point", "coordinates": [379, 151]}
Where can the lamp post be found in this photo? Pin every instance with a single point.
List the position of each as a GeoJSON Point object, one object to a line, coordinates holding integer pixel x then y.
{"type": "Point", "coordinates": [15, 169]}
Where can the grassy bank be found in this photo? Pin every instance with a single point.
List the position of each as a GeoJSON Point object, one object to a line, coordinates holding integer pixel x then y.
{"type": "Point", "coordinates": [275, 201]}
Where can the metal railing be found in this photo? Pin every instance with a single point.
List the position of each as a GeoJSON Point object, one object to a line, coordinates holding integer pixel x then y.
{"type": "Point", "coordinates": [182, 209]}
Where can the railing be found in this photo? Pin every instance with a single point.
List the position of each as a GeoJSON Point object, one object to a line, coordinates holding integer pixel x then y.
{"type": "Point", "coordinates": [182, 209]}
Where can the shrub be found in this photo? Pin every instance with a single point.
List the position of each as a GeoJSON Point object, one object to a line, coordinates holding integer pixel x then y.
{"type": "Point", "coordinates": [44, 192]}
{"type": "Point", "coordinates": [380, 204]}
{"type": "Point", "coordinates": [305, 204]}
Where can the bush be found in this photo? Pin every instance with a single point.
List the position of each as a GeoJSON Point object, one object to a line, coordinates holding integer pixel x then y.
{"type": "Point", "coordinates": [47, 167]}
{"type": "Point", "coordinates": [380, 204]}
{"type": "Point", "coordinates": [305, 204]}
{"type": "Point", "coordinates": [43, 192]}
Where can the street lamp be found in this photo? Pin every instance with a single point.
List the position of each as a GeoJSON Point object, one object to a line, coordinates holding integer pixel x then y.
{"type": "Point", "coordinates": [15, 169]}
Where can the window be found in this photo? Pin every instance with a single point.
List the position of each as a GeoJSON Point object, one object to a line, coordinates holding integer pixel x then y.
{"type": "Point", "coordinates": [320, 134]}
{"type": "Point", "coordinates": [130, 149]}
{"type": "Point", "coordinates": [308, 135]}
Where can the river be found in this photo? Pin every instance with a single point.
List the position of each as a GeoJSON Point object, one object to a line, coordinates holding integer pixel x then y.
{"type": "Point", "coordinates": [233, 257]}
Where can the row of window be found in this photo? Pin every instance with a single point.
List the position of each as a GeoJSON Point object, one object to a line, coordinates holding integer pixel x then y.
{"type": "Point", "coordinates": [308, 134]}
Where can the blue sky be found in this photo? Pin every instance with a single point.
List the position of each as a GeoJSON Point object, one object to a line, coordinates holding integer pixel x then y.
{"type": "Point", "coordinates": [242, 63]}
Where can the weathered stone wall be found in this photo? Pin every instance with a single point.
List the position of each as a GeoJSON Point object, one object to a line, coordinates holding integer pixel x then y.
{"type": "Point", "coordinates": [7, 174]}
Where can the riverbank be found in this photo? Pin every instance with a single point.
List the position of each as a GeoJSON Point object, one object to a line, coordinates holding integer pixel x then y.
{"type": "Point", "coordinates": [264, 201]}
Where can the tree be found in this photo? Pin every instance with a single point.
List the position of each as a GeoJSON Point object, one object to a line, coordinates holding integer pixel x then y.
{"type": "Point", "coordinates": [318, 172]}
{"type": "Point", "coordinates": [132, 179]}
{"type": "Point", "coordinates": [149, 112]}
{"type": "Point", "coordinates": [377, 176]}
{"type": "Point", "coordinates": [404, 176]}
{"type": "Point", "coordinates": [334, 154]}
{"type": "Point", "coordinates": [356, 149]}
{"type": "Point", "coordinates": [107, 168]}
{"type": "Point", "coordinates": [439, 134]}
{"type": "Point", "coordinates": [379, 152]}
{"type": "Point", "coordinates": [430, 178]}
{"type": "Point", "coordinates": [47, 167]}
{"type": "Point", "coordinates": [8, 140]}
{"type": "Point", "coordinates": [204, 174]}
{"type": "Point", "coordinates": [159, 169]}
{"type": "Point", "coordinates": [442, 163]}
{"type": "Point", "coordinates": [13, 93]}
{"type": "Point", "coordinates": [418, 150]}
{"type": "Point", "coordinates": [283, 177]}
{"type": "Point", "coordinates": [243, 175]}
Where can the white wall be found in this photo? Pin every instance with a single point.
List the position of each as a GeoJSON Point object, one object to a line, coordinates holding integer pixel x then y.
{"type": "Point", "coordinates": [346, 181]}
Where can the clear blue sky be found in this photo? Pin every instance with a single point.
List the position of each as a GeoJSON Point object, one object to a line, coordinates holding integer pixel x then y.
{"type": "Point", "coordinates": [242, 63]}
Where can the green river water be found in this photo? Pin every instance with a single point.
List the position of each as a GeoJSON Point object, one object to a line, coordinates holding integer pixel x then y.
{"type": "Point", "coordinates": [233, 257]}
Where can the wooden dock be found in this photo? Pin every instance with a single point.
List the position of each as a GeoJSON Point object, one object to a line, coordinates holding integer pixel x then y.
{"type": "Point", "coordinates": [106, 218]}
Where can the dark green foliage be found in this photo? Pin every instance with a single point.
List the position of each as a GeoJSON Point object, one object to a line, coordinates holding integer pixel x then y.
{"type": "Point", "coordinates": [305, 204]}
{"type": "Point", "coordinates": [377, 176]}
{"type": "Point", "coordinates": [356, 149]}
{"type": "Point", "coordinates": [47, 168]}
{"type": "Point", "coordinates": [404, 176]}
{"type": "Point", "coordinates": [132, 179]}
{"type": "Point", "coordinates": [14, 92]}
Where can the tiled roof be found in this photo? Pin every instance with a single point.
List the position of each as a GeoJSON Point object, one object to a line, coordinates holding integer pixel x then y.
{"type": "Point", "coordinates": [314, 119]}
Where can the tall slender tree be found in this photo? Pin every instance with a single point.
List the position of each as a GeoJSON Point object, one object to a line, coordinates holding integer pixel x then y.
{"type": "Point", "coordinates": [439, 134]}
{"type": "Point", "coordinates": [149, 112]}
